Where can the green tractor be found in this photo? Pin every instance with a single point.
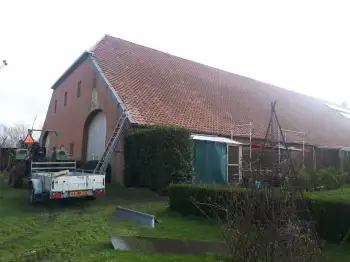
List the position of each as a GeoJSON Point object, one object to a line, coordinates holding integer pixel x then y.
{"type": "Point", "coordinates": [25, 152]}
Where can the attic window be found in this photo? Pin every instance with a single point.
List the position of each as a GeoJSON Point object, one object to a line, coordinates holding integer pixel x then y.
{"type": "Point", "coordinates": [78, 89]}
{"type": "Point", "coordinates": [55, 107]}
{"type": "Point", "coordinates": [65, 98]}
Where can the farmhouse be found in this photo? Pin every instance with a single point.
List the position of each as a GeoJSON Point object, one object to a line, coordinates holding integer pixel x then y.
{"type": "Point", "coordinates": [158, 88]}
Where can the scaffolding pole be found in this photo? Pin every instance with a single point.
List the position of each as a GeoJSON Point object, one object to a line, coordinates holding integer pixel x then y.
{"type": "Point", "coordinates": [303, 134]}
{"type": "Point", "coordinates": [250, 133]}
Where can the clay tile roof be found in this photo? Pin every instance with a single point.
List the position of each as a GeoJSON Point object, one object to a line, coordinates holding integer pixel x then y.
{"type": "Point", "coordinates": [158, 88]}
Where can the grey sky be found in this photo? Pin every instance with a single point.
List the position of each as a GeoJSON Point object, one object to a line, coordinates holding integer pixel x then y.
{"type": "Point", "coordinates": [299, 45]}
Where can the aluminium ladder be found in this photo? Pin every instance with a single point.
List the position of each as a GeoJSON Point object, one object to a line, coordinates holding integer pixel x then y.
{"type": "Point", "coordinates": [111, 145]}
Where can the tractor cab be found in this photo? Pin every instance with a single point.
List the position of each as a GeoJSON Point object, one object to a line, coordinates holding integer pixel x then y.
{"type": "Point", "coordinates": [38, 152]}
{"type": "Point", "coordinates": [18, 154]}
{"type": "Point", "coordinates": [58, 155]}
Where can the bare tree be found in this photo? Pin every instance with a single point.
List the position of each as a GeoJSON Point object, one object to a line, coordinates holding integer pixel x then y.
{"type": "Point", "coordinates": [11, 134]}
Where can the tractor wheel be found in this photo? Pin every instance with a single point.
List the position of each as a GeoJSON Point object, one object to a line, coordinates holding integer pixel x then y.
{"type": "Point", "coordinates": [15, 182]}
{"type": "Point", "coordinates": [16, 175]}
{"type": "Point", "coordinates": [9, 182]}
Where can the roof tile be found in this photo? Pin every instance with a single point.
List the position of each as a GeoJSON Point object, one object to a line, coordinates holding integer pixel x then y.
{"type": "Point", "coordinates": [158, 88]}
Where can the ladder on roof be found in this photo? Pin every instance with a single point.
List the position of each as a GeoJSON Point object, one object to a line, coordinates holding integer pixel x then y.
{"type": "Point", "coordinates": [111, 145]}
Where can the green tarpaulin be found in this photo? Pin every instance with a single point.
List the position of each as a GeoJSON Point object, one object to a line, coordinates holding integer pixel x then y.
{"type": "Point", "coordinates": [210, 162]}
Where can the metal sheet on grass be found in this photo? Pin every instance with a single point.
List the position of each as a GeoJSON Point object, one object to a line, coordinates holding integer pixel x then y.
{"type": "Point", "coordinates": [167, 245]}
{"type": "Point", "coordinates": [135, 216]}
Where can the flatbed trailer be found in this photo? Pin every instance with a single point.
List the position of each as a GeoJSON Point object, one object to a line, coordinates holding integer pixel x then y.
{"type": "Point", "coordinates": [59, 180]}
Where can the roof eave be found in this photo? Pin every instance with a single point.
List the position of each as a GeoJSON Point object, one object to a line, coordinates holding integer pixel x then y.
{"type": "Point", "coordinates": [70, 70]}
{"type": "Point", "coordinates": [112, 91]}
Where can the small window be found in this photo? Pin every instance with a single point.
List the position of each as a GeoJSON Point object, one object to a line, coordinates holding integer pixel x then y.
{"type": "Point", "coordinates": [233, 155]}
{"type": "Point", "coordinates": [71, 149]}
{"type": "Point", "coordinates": [78, 89]}
{"type": "Point", "coordinates": [55, 107]}
{"type": "Point", "coordinates": [65, 98]}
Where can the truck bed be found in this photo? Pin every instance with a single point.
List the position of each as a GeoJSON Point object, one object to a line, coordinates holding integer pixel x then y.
{"type": "Point", "coordinates": [76, 183]}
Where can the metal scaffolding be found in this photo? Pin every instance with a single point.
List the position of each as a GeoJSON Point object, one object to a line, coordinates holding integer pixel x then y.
{"type": "Point", "coordinates": [249, 133]}
{"type": "Point", "coordinates": [302, 134]}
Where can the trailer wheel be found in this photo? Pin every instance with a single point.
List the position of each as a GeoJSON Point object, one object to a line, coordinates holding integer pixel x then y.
{"type": "Point", "coordinates": [90, 198]}
{"type": "Point", "coordinates": [33, 198]}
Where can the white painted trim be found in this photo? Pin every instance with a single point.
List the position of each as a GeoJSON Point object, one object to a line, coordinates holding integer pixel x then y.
{"type": "Point", "coordinates": [216, 139]}
{"type": "Point", "coordinates": [239, 165]}
{"type": "Point", "coordinates": [227, 163]}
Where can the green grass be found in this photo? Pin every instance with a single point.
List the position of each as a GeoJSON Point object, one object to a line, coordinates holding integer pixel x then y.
{"type": "Point", "coordinates": [81, 230]}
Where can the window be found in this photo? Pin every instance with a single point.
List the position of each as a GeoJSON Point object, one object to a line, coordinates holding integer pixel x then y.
{"type": "Point", "coordinates": [65, 98]}
{"type": "Point", "coordinates": [233, 155]}
{"type": "Point", "coordinates": [55, 107]}
{"type": "Point", "coordinates": [78, 89]}
{"type": "Point", "coordinates": [71, 149]}
{"type": "Point", "coordinates": [233, 174]}
{"type": "Point", "coordinates": [233, 165]}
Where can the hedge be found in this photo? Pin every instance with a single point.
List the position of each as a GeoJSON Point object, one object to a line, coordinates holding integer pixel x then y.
{"type": "Point", "coordinates": [180, 198]}
{"type": "Point", "coordinates": [330, 210]}
{"type": "Point", "coordinates": [157, 156]}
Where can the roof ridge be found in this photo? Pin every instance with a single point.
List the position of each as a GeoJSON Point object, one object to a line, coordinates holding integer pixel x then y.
{"type": "Point", "coordinates": [92, 49]}
{"type": "Point", "coordinates": [214, 68]}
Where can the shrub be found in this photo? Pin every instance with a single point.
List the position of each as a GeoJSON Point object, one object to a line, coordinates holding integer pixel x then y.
{"type": "Point", "coordinates": [330, 210]}
{"type": "Point", "coordinates": [332, 178]}
{"type": "Point", "coordinates": [327, 178]}
{"type": "Point", "coordinates": [307, 179]}
{"type": "Point", "coordinates": [157, 156]}
{"type": "Point", "coordinates": [202, 199]}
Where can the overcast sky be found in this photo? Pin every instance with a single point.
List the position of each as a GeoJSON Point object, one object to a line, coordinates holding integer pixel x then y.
{"type": "Point", "coordinates": [299, 45]}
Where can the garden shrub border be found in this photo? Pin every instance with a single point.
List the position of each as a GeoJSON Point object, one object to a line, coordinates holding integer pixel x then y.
{"type": "Point", "coordinates": [331, 215]}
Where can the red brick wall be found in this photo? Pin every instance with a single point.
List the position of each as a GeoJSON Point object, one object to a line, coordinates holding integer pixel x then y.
{"type": "Point", "coordinates": [69, 120]}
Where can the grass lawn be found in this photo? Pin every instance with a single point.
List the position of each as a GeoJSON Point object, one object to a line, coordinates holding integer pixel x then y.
{"type": "Point", "coordinates": [80, 230]}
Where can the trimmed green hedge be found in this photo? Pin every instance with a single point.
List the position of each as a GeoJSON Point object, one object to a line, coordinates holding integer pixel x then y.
{"type": "Point", "coordinates": [157, 156]}
{"type": "Point", "coordinates": [181, 198]}
{"type": "Point", "coordinates": [330, 210]}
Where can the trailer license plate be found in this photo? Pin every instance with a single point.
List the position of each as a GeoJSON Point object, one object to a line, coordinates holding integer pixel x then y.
{"type": "Point", "coordinates": [78, 193]}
